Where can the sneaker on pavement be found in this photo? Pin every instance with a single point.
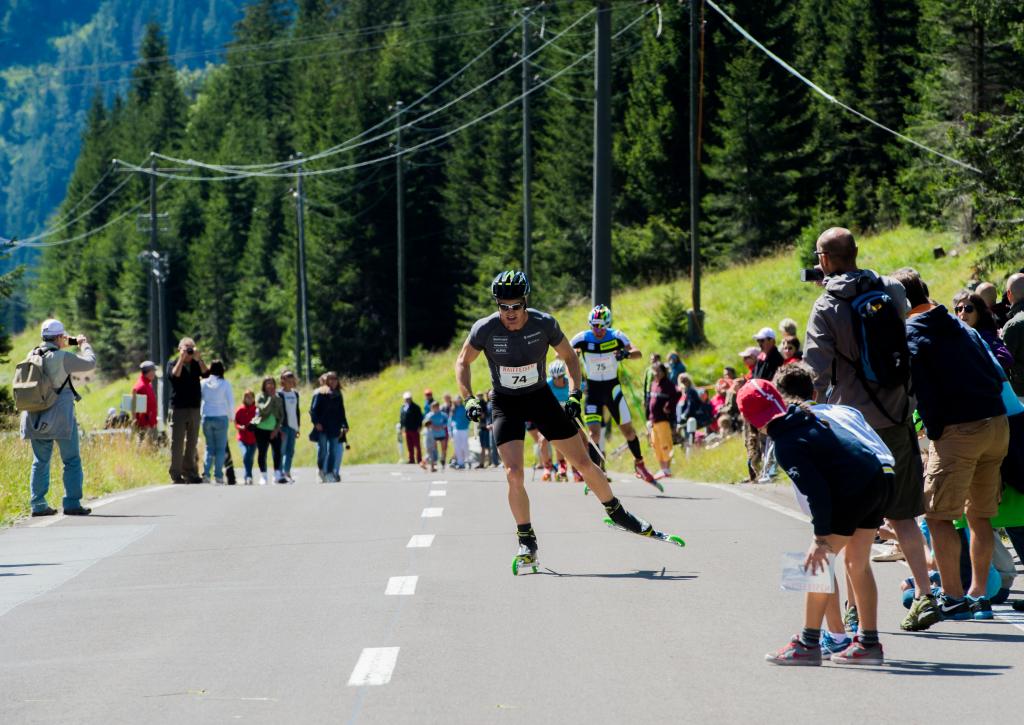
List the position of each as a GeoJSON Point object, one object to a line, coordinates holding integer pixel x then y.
{"type": "Point", "coordinates": [957, 609]}
{"type": "Point", "coordinates": [263, 480]}
{"type": "Point", "coordinates": [48, 511]}
{"type": "Point", "coordinates": [78, 511]}
{"type": "Point", "coordinates": [922, 615]}
{"type": "Point", "coordinates": [981, 608]}
{"type": "Point", "coordinates": [248, 480]}
{"type": "Point", "coordinates": [895, 553]}
{"type": "Point", "coordinates": [859, 653]}
{"type": "Point", "coordinates": [795, 653]}
{"type": "Point", "coordinates": [219, 480]}
{"type": "Point", "coordinates": [830, 646]}
{"type": "Point", "coordinates": [850, 619]}
{"type": "Point", "coordinates": [206, 479]}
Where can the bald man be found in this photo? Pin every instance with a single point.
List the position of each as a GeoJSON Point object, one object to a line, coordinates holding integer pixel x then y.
{"type": "Point", "coordinates": [830, 349]}
{"type": "Point", "coordinates": [1013, 331]}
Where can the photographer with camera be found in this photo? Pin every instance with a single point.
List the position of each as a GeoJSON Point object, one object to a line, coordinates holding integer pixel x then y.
{"type": "Point", "coordinates": [185, 374]}
{"type": "Point", "coordinates": [44, 392]}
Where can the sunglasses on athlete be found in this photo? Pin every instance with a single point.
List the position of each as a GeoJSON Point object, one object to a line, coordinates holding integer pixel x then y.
{"type": "Point", "coordinates": [964, 308]}
{"type": "Point", "coordinates": [514, 307]}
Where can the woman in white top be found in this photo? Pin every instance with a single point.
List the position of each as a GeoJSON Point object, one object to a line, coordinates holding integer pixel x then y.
{"type": "Point", "coordinates": [290, 426]}
{"type": "Point", "coordinates": [217, 408]}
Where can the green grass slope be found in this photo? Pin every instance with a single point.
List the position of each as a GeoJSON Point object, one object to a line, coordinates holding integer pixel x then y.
{"type": "Point", "coordinates": [737, 301]}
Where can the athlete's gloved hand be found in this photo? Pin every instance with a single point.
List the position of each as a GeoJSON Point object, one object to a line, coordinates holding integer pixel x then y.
{"type": "Point", "coordinates": [574, 406]}
{"type": "Point", "coordinates": [474, 411]}
{"type": "Point", "coordinates": [622, 353]}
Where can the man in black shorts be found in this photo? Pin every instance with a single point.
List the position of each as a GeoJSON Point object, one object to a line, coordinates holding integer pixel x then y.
{"type": "Point", "coordinates": [515, 341]}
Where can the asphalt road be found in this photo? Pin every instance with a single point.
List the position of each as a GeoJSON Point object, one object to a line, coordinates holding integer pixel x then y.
{"type": "Point", "coordinates": [297, 604]}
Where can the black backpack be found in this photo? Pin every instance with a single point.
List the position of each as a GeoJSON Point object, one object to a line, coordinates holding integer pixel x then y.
{"type": "Point", "coordinates": [881, 337]}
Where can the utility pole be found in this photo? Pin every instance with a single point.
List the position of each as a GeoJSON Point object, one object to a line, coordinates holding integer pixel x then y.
{"type": "Point", "coordinates": [154, 322]}
{"type": "Point", "coordinates": [696, 321]}
{"type": "Point", "coordinates": [527, 154]}
{"type": "Point", "coordinates": [303, 318]}
{"type": "Point", "coordinates": [601, 281]}
{"type": "Point", "coordinates": [400, 231]}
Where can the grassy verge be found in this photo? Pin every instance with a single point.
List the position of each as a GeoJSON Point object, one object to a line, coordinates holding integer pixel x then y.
{"type": "Point", "coordinates": [111, 463]}
{"type": "Point", "coordinates": [737, 301]}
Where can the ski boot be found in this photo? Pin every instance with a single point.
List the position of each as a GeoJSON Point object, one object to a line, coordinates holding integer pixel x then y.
{"type": "Point", "coordinates": [644, 475]}
{"type": "Point", "coordinates": [525, 559]}
{"type": "Point", "coordinates": [549, 473]}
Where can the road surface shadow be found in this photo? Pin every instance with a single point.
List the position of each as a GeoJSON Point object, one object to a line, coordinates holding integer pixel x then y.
{"type": "Point", "coordinates": [679, 498]}
{"type": "Point", "coordinates": [942, 669]}
{"type": "Point", "coordinates": [19, 566]}
{"type": "Point", "coordinates": [979, 636]}
{"type": "Point", "coordinates": [661, 575]}
{"type": "Point", "coordinates": [131, 516]}
{"type": "Point", "coordinates": [11, 573]}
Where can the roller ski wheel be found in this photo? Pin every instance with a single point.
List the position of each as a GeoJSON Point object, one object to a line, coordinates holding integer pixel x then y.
{"type": "Point", "coordinates": [651, 533]}
{"type": "Point", "coordinates": [547, 475]}
{"type": "Point", "coordinates": [524, 560]}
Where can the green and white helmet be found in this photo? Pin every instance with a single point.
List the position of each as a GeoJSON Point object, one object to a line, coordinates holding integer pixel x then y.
{"type": "Point", "coordinates": [556, 369]}
{"type": "Point", "coordinates": [510, 285]}
{"type": "Point", "coordinates": [601, 316]}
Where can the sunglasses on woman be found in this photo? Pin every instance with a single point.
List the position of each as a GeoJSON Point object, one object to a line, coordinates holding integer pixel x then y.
{"type": "Point", "coordinates": [964, 308]}
{"type": "Point", "coordinates": [514, 307]}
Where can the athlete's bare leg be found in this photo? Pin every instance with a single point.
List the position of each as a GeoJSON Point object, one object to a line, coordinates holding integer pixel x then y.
{"type": "Point", "coordinates": [511, 454]}
{"type": "Point", "coordinates": [628, 432]}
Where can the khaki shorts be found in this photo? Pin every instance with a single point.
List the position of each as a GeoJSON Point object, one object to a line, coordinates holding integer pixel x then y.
{"type": "Point", "coordinates": [963, 469]}
{"type": "Point", "coordinates": [661, 440]}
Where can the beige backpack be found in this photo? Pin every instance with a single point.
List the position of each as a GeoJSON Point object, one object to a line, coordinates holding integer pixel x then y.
{"type": "Point", "coordinates": [33, 389]}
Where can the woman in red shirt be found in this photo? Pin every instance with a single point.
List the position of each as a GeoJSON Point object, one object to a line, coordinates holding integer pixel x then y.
{"type": "Point", "coordinates": [246, 438]}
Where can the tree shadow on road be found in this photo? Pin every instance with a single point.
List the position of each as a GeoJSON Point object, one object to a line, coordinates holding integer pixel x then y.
{"type": "Point", "coordinates": [678, 498]}
{"type": "Point", "coordinates": [131, 516]}
{"type": "Point", "coordinates": [654, 575]}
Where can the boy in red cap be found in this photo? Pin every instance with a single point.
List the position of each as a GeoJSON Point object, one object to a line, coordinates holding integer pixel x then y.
{"type": "Point", "coordinates": [846, 488]}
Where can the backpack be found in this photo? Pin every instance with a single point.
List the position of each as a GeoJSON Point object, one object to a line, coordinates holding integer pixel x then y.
{"type": "Point", "coordinates": [881, 337]}
{"type": "Point", "coordinates": [33, 389]}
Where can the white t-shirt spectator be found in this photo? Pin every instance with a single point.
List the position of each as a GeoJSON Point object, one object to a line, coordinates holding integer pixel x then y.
{"type": "Point", "coordinates": [291, 408]}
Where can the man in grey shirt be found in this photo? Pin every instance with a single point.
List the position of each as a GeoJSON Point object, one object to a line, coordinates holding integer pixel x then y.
{"type": "Point", "coordinates": [61, 426]}
{"type": "Point", "coordinates": [515, 341]}
{"type": "Point", "coordinates": [830, 351]}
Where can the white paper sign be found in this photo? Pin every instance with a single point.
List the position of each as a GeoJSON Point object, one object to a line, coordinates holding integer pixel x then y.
{"type": "Point", "coordinates": [796, 579]}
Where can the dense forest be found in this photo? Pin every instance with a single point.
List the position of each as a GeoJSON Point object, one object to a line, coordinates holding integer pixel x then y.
{"type": "Point", "coordinates": [778, 160]}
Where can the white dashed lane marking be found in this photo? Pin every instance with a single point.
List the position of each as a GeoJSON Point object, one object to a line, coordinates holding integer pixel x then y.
{"type": "Point", "coordinates": [438, 492]}
{"type": "Point", "coordinates": [440, 483]}
{"type": "Point", "coordinates": [401, 586]}
{"type": "Point", "coordinates": [374, 667]}
{"type": "Point", "coordinates": [420, 541]}
{"type": "Point", "coordinates": [431, 513]}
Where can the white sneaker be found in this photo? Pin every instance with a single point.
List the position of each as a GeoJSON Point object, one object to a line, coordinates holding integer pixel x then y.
{"type": "Point", "coordinates": [289, 477]}
{"type": "Point", "coordinates": [263, 480]}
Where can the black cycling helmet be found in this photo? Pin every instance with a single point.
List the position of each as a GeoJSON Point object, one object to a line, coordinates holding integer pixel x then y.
{"type": "Point", "coordinates": [510, 285]}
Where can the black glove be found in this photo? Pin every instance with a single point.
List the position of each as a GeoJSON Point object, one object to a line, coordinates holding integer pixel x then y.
{"type": "Point", "coordinates": [474, 411]}
{"type": "Point", "coordinates": [622, 353]}
{"type": "Point", "coordinates": [574, 406]}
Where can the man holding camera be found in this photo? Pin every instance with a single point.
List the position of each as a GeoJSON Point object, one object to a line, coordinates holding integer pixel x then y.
{"type": "Point", "coordinates": [186, 398]}
{"type": "Point", "coordinates": [57, 422]}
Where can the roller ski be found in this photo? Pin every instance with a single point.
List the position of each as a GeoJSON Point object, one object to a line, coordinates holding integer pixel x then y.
{"type": "Point", "coordinates": [561, 473]}
{"type": "Point", "coordinates": [549, 474]}
{"type": "Point", "coordinates": [650, 532]}
{"type": "Point", "coordinates": [644, 475]}
{"type": "Point", "coordinates": [619, 518]}
{"type": "Point", "coordinates": [525, 560]}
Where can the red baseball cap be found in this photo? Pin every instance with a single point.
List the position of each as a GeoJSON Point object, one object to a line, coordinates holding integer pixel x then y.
{"type": "Point", "coordinates": [760, 402]}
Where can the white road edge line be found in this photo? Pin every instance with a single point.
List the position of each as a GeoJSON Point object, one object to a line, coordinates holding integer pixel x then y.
{"type": "Point", "coordinates": [401, 586]}
{"type": "Point", "coordinates": [778, 508]}
{"type": "Point", "coordinates": [420, 541]}
{"type": "Point", "coordinates": [98, 503]}
{"type": "Point", "coordinates": [431, 513]}
{"type": "Point", "coordinates": [438, 492]}
{"type": "Point", "coordinates": [374, 667]}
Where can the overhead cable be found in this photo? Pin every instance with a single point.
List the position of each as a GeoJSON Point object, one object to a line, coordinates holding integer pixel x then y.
{"type": "Point", "coordinates": [405, 150]}
{"type": "Point", "coordinates": [829, 97]}
{"type": "Point", "coordinates": [53, 230]}
{"type": "Point", "coordinates": [84, 235]}
{"type": "Point", "coordinates": [354, 142]}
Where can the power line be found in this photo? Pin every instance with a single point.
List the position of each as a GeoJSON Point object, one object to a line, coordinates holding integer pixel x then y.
{"type": "Point", "coordinates": [405, 150]}
{"type": "Point", "coordinates": [349, 145]}
{"type": "Point", "coordinates": [829, 97]}
{"type": "Point", "coordinates": [66, 214]}
{"type": "Point", "coordinates": [53, 230]}
{"type": "Point", "coordinates": [87, 234]}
